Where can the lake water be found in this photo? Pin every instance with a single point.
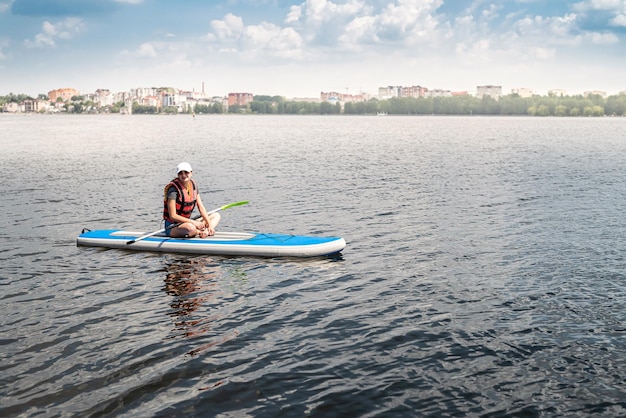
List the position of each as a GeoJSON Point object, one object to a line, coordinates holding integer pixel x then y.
{"type": "Point", "coordinates": [484, 273]}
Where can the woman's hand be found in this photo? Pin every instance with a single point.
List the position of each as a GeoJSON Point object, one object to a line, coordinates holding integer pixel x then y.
{"type": "Point", "coordinates": [204, 229]}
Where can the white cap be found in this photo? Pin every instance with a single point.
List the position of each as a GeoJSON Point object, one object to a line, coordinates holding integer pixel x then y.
{"type": "Point", "coordinates": [183, 167]}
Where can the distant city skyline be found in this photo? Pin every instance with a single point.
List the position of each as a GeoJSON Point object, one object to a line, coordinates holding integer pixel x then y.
{"type": "Point", "coordinates": [521, 91]}
{"type": "Point", "coordinates": [301, 48]}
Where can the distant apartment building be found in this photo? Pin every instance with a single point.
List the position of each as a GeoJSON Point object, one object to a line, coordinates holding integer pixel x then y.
{"type": "Point", "coordinates": [523, 92]}
{"type": "Point", "coordinates": [27, 106]}
{"type": "Point", "coordinates": [168, 99]}
{"type": "Point", "coordinates": [401, 91]}
{"type": "Point", "coordinates": [30, 105]}
{"type": "Point", "coordinates": [103, 97]}
{"type": "Point", "coordinates": [557, 92]}
{"type": "Point", "coordinates": [195, 95]}
{"type": "Point", "coordinates": [143, 92]}
{"type": "Point", "coordinates": [439, 93]}
{"type": "Point", "coordinates": [333, 96]}
{"type": "Point", "coordinates": [123, 96]}
{"type": "Point", "coordinates": [12, 107]}
{"type": "Point", "coordinates": [389, 92]}
{"type": "Point", "coordinates": [64, 94]}
{"type": "Point", "coordinates": [239, 99]}
{"type": "Point", "coordinates": [413, 91]}
{"type": "Point", "coordinates": [150, 101]}
{"type": "Point", "coordinates": [460, 93]}
{"type": "Point", "coordinates": [174, 99]}
{"type": "Point", "coordinates": [492, 91]}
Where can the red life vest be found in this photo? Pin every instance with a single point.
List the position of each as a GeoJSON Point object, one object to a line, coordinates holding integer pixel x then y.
{"type": "Point", "coordinates": [185, 201]}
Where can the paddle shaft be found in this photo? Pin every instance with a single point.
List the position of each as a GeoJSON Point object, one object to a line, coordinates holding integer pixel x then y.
{"type": "Point", "coordinates": [132, 241]}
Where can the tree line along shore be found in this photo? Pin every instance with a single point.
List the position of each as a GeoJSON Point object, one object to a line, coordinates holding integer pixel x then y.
{"type": "Point", "coordinates": [512, 104]}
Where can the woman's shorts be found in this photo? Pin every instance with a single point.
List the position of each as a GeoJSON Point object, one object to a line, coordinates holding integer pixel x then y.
{"type": "Point", "coordinates": [167, 227]}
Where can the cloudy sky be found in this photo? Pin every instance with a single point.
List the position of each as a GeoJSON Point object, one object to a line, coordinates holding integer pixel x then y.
{"type": "Point", "coordinates": [300, 48]}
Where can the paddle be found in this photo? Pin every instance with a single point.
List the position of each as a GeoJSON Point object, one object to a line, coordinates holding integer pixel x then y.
{"type": "Point", "coordinates": [175, 225]}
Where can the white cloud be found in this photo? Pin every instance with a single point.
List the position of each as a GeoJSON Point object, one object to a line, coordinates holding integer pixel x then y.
{"type": "Point", "coordinates": [325, 11]}
{"type": "Point", "coordinates": [357, 25]}
{"type": "Point", "coordinates": [295, 12]}
{"type": "Point", "coordinates": [464, 27]}
{"type": "Point", "coordinates": [322, 22]}
{"type": "Point", "coordinates": [615, 5]}
{"type": "Point", "coordinates": [146, 50]}
{"type": "Point", "coordinates": [528, 39]}
{"type": "Point", "coordinates": [65, 29]}
{"type": "Point", "coordinates": [492, 12]}
{"type": "Point", "coordinates": [562, 30]}
{"type": "Point", "coordinates": [272, 37]}
{"type": "Point", "coordinates": [228, 29]}
{"type": "Point", "coordinates": [265, 39]}
{"type": "Point", "coordinates": [605, 38]}
{"type": "Point", "coordinates": [412, 20]}
{"type": "Point", "coordinates": [554, 30]}
{"type": "Point", "coordinates": [360, 29]}
{"type": "Point", "coordinates": [5, 6]}
{"type": "Point", "coordinates": [474, 7]}
{"type": "Point", "coordinates": [619, 20]}
{"type": "Point", "coordinates": [323, 26]}
{"type": "Point", "coordinates": [475, 51]}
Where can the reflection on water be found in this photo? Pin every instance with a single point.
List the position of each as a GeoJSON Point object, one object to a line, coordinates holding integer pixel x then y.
{"type": "Point", "coordinates": [194, 287]}
{"type": "Point", "coordinates": [190, 285]}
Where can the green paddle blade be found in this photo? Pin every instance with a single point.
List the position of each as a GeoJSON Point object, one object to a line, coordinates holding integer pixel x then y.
{"type": "Point", "coordinates": [243, 202]}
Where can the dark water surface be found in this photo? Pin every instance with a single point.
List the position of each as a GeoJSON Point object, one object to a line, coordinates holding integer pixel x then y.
{"type": "Point", "coordinates": [485, 272]}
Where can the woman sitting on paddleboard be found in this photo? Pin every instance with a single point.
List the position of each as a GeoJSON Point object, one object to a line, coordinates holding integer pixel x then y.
{"type": "Point", "coordinates": [180, 197]}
